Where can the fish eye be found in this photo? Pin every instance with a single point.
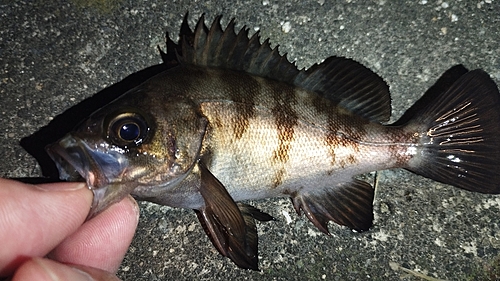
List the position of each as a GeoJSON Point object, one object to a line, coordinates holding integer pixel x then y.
{"type": "Point", "coordinates": [127, 130]}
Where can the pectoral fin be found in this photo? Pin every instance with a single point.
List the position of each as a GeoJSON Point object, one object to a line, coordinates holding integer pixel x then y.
{"type": "Point", "coordinates": [349, 204]}
{"type": "Point", "coordinates": [230, 226]}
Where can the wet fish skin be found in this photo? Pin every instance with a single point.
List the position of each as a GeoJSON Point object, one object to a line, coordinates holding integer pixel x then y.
{"type": "Point", "coordinates": [234, 121]}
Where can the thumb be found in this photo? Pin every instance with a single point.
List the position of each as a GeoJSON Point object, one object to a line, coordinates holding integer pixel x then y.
{"type": "Point", "coordinates": [34, 219]}
{"type": "Point", "coordinates": [48, 270]}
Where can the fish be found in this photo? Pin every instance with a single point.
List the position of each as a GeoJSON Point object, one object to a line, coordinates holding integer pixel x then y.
{"type": "Point", "coordinates": [233, 120]}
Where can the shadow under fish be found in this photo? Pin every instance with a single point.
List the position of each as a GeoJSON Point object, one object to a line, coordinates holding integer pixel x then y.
{"type": "Point", "coordinates": [231, 120]}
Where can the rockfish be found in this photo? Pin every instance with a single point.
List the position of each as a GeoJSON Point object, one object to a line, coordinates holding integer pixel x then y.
{"type": "Point", "coordinates": [233, 120]}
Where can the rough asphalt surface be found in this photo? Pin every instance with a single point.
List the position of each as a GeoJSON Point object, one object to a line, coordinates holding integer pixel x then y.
{"type": "Point", "coordinates": [54, 54]}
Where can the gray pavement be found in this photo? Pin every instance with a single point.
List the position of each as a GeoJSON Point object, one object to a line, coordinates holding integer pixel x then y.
{"type": "Point", "coordinates": [54, 54]}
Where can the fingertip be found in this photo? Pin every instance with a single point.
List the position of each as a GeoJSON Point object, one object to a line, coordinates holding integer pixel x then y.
{"type": "Point", "coordinates": [47, 270]}
{"type": "Point", "coordinates": [133, 207]}
{"type": "Point", "coordinates": [61, 186]}
{"type": "Point", "coordinates": [102, 241]}
{"type": "Point", "coordinates": [39, 217]}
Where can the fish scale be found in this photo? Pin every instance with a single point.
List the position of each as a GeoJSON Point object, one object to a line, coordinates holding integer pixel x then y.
{"type": "Point", "coordinates": [233, 120]}
{"type": "Point", "coordinates": [308, 145]}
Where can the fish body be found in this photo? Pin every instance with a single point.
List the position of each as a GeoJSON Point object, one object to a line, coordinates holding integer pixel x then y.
{"type": "Point", "coordinates": [233, 120]}
{"type": "Point", "coordinates": [314, 144]}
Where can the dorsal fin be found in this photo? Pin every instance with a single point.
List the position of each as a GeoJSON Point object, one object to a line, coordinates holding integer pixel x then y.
{"type": "Point", "coordinates": [338, 79]}
{"type": "Point", "coordinates": [223, 48]}
{"type": "Point", "coordinates": [350, 84]}
{"type": "Point", "coordinates": [174, 49]}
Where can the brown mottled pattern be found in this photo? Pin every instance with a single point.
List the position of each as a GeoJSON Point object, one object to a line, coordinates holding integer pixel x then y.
{"type": "Point", "coordinates": [351, 159]}
{"type": "Point", "coordinates": [408, 136]}
{"type": "Point", "coordinates": [331, 141]}
{"type": "Point", "coordinates": [285, 119]}
{"type": "Point", "coordinates": [242, 90]}
{"type": "Point", "coordinates": [278, 178]}
{"type": "Point", "coordinates": [323, 106]}
{"type": "Point", "coordinates": [339, 135]}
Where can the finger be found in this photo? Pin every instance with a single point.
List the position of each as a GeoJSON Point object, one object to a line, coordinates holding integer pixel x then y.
{"type": "Point", "coordinates": [35, 219]}
{"type": "Point", "coordinates": [102, 241]}
{"type": "Point", "coordinates": [47, 270]}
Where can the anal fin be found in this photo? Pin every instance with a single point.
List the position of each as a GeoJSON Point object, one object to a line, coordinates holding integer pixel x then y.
{"type": "Point", "coordinates": [230, 226]}
{"type": "Point", "coordinates": [349, 204]}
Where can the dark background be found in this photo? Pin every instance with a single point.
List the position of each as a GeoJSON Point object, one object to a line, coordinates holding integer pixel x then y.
{"type": "Point", "coordinates": [54, 54]}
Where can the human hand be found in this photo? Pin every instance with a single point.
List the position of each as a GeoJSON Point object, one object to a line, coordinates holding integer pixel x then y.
{"type": "Point", "coordinates": [45, 236]}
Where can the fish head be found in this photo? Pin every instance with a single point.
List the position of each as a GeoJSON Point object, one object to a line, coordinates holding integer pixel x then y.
{"type": "Point", "coordinates": [139, 140]}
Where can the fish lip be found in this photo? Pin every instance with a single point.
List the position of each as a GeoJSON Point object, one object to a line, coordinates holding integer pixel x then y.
{"type": "Point", "coordinates": [101, 167]}
{"type": "Point", "coordinates": [70, 159]}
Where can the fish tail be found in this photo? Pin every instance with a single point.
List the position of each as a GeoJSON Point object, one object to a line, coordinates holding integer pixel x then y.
{"type": "Point", "coordinates": [458, 125]}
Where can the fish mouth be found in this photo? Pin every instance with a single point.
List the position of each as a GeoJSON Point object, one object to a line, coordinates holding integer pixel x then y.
{"type": "Point", "coordinates": [102, 168]}
{"type": "Point", "coordinates": [74, 162]}
{"type": "Point", "coordinates": [69, 163]}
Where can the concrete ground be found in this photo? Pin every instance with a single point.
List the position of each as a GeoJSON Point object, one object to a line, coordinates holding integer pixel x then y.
{"type": "Point", "coordinates": [54, 54]}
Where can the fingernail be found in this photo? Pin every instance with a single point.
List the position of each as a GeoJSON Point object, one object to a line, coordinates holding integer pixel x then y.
{"type": "Point", "coordinates": [61, 186]}
{"type": "Point", "coordinates": [136, 207]}
{"type": "Point", "coordinates": [82, 275]}
{"type": "Point", "coordinates": [56, 271]}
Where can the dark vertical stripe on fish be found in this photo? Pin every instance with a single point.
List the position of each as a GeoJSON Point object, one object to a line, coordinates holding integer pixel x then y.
{"type": "Point", "coordinates": [322, 106]}
{"type": "Point", "coordinates": [278, 178]}
{"type": "Point", "coordinates": [242, 90]}
{"type": "Point", "coordinates": [338, 135]}
{"type": "Point", "coordinates": [285, 119]}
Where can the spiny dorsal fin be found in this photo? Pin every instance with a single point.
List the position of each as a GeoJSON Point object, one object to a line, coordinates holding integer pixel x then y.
{"type": "Point", "coordinates": [338, 79]}
{"type": "Point", "coordinates": [174, 49]}
{"type": "Point", "coordinates": [223, 48]}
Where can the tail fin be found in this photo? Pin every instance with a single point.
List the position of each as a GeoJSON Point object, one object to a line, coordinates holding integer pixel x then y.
{"type": "Point", "coordinates": [460, 144]}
